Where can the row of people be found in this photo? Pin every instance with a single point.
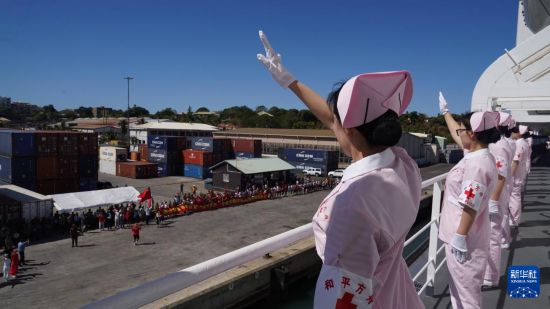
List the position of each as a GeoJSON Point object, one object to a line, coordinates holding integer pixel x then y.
{"type": "Point", "coordinates": [361, 226]}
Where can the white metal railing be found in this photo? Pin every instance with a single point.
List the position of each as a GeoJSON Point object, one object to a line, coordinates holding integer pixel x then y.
{"type": "Point", "coordinates": [431, 267]}
{"type": "Point", "coordinates": [232, 259]}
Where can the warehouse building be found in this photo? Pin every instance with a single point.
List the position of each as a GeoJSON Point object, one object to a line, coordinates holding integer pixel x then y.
{"type": "Point", "coordinates": [274, 139]}
{"type": "Point", "coordinates": [232, 174]}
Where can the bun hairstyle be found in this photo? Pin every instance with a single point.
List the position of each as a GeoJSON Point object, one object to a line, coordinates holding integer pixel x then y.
{"type": "Point", "coordinates": [505, 130]}
{"type": "Point", "coordinates": [485, 137]}
{"type": "Point", "coordinates": [383, 131]}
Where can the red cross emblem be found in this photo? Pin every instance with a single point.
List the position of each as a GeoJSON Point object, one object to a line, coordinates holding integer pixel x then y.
{"type": "Point", "coordinates": [345, 302]}
{"type": "Point", "coordinates": [469, 193]}
{"type": "Point", "coordinates": [499, 165]}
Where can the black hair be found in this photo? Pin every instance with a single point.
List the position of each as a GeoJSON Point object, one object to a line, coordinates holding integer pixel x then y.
{"type": "Point", "coordinates": [514, 129]}
{"type": "Point", "coordinates": [504, 130]}
{"type": "Point", "coordinates": [526, 135]}
{"type": "Point", "coordinates": [383, 131]}
{"type": "Point", "coordinates": [486, 137]}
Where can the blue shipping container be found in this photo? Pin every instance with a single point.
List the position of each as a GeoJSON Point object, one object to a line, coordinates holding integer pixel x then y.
{"type": "Point", "coordinates": [162, 156]}
{"type": "Point", "coordinates": [17, 143]}
{"type": "Point", "coordinates": [165, 170]}
{"type": "Point", "coordinates": [88, 165]}
{"type": "Point", "coordinates": [211, 144]}
{"type": "Point", "coordinates": [246, 155]}
{"type": "Point", "coordinates": [170, 143]}
{"type": "Point", "coordinates": [15, 170]}
{"type": "Point", "coordinates": [306, 155]}
{"type": "Point", "coordinates": [305, 165]}
{"type": "Point", "coordinates": [196, 171]}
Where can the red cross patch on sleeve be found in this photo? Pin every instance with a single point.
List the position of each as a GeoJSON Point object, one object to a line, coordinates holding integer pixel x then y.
{"type": "Point", "coordinates": [472, 194]}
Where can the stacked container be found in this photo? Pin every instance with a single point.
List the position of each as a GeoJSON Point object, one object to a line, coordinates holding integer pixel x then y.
{"type": "Point", "coordinates": [205, 152]}
{"type": "Point", "coordinates": [165, 151]}
{"type": "Point", "coordinates": [247, 148]}
{"type": "Point", "coordinates": [109, 156]}
{"type": "Point", "coordinates": [326, 160]}
{"type": "Point", "coordinates": [49, 162]}
{"type": "Point", "coordinates": [136, 169]}
{"type": "Point", "coordinates": [17, 162]}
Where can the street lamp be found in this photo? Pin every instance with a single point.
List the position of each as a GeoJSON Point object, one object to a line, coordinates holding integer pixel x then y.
{"type": "Point", "coordinates": [128, 78]}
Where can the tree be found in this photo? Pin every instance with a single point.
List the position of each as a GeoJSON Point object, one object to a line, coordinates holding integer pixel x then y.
{"type": "Point", "coordinates": [202, 109]}
{"type": "Point", "coordinates": [167, 113]}
{"type": "Point", "coordinates": [86, 112]}
{"type": "Point", "coordinates": [137, 111]}
{"type": "Point", "coordinates": [261, 108]}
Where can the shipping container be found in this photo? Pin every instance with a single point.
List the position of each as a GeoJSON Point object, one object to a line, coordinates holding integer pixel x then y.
{"type": "Point", "coordinates": [46, 143]}
{"type": "Point", "coordinates": [87, 184]}
{"type": "Point", "coordinates": [67, 185]}
{"type": "Point", "coordinates": [196, 171]}
{"type": "Point", "coordinates": [67, 166]}
{"type": "Point", "coordinates": [107, 167]}
{"type": "Point", "coordinates": [13, 169]}
{"type": "Point", "coordinates": [111, 153]}
{"type": "Point", "coordinates": [88, 144]}
{"type": "Point", "coordinates": [88, 166]}
{"type": "Point", "coordinates": [169, 143]}
{"type": "Point", "coordinates": [247, 145]}
{"type": "Point", "coordinates": [46, 168]}
{"type": "Point", "coordinates": [144, 152]}
{"type": "Point", "coordinates": [135, 156]}
{"type": "Point", "coordinates": [301, 166]}
{"type": "Point", "coordinates": [68, 143]}
{"type": "Point", "coordinates": [173, 169]}
{"type": "Point", "coordinates": [308, 155]}
{"type": "Point", "coordinates": [17, 143]}
{"type": "Point", "coordinates": [245, 155]}
{"type": "Point", "coordinates": [209, 144]}
{"type": "Point", "coordinates": [45, 186]}
{"type": "Point", "coordinates": [199, 157]}
{"type": "Point", "coordinates": [137, 169]}
{"type": "Point", "coordinates": [161, 156]}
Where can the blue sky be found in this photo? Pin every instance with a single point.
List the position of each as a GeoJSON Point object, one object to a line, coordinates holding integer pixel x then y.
{"type": "Point", "coordinates": [203, 53]}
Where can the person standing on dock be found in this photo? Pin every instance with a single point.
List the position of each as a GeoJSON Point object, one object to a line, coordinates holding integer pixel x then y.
{"type": "Point", "coordinates": [464, 223]}
{"type": "Point", "coordinates": [498, 204]}
{"type": "Point", "coordinates": [359, 228]}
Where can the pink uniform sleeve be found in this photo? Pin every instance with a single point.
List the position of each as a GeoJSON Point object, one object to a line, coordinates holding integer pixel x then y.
{"type": "Point", "coordinates": [520, 152]}
{"type": "Point", "coordinates": [501, 161]}
{"type": "Point", "coordinates": [351, 256]}
{"type": "Point", "coordinates": [473, 187]}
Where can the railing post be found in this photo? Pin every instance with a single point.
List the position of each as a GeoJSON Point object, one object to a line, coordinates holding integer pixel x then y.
{"type": "Point", "coordinates": [434, 231]}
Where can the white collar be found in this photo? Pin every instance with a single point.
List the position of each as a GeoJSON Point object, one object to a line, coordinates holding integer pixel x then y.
{"type": "Point", "coordinates": [369, 163]}
{"type": "Point", "coordinates": [476, 153]}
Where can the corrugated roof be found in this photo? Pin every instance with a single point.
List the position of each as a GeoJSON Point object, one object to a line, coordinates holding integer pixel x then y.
{"type": "Point", "coordinates": [174, 126]}
{"type": "Point", "coordinates": [21, 194]}
{"type": "Point", "coordinates": [258, 165]}
{"type": "Point", "coordinates": [279, 132]}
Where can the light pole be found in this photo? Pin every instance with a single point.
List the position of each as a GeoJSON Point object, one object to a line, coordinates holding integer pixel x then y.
{"type": "Point", "coordinates": [128, 78]}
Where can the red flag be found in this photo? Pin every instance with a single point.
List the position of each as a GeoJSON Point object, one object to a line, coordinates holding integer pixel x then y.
{"type": "Point", "coordinates": [145, 195]}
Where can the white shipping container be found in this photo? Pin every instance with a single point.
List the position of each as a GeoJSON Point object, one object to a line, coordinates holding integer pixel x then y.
{"type": "Point", "coordinates": [107, 167]}
{"type": "Point", "coordinates": [110, 153]}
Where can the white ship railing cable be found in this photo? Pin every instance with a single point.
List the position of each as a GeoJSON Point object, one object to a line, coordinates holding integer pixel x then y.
{"type": "Point", "coordinates": [156, 289]}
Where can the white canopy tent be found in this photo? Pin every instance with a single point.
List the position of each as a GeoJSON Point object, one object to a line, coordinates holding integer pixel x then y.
{"type": "Point", "coordinates": [90, 199]}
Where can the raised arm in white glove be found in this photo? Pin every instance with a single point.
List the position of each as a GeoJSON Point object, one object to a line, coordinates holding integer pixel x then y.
{"type": "Point", "coordinates": [459, 248]}
{"type": "Point", "coordinates": [493, 210]}
{"type": "Point", "coordinates": [443, 108]}
{"type": "Point", "coordinates": [272, 61]}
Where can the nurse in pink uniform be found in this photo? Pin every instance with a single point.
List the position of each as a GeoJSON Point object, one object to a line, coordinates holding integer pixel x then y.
{"type": "Point", "coordinates": [506, 235]}
{"type": "Point", "coordinates": [498, 204]}
{"type": "Point", "coordinates": [464, 223]}
{"type": "Point", "coordinates": [360, 227]}
{"type": "Point", "coordinates": [519, 171]}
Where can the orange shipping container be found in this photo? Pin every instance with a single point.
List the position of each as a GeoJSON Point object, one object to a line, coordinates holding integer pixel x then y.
{"type": "Point", "coordinates": [135, 156]}
{"type": "Point", "coordinates": [143, 151]}
{"type": "Point", "coordinates": [46, 168]}
{"type": "Point", "coordinates": [136, 169]}
{"type": "Point", "coordinates": [198, 157]}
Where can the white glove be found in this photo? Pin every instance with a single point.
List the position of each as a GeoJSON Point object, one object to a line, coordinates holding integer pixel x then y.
{"type": "Point", "coordinates": [493, 210]}
{"type": "Point", "coordinates": [443, 108]}
{"type": "Point", "coordinates": [459, 248]}
{"type": "Point", "coordinates": [272, 61]}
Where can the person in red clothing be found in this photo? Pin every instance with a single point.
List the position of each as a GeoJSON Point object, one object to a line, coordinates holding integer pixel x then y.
{"type": "Point", "coordinates": [135, 232]}
{"type": "Point", "coordinates": [14, 263]}
{"type": "Point", "coordinates": [101, 220]}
